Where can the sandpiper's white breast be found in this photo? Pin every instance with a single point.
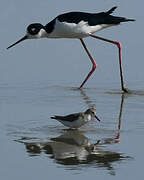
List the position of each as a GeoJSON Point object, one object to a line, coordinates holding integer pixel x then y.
{"type": "Point", "coordinates": [75, 124]}
{"type": "Point", "coordinates": [89, 117]}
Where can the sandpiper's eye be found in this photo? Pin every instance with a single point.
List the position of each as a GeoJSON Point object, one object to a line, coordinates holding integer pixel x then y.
{"type": "Point", "coordinates": [93, 112]}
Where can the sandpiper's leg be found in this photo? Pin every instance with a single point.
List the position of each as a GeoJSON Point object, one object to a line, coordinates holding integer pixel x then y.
{"type": "Point", "coordinates": [93, 63]}
{"type": "Point", "coordinates": [120, 59]}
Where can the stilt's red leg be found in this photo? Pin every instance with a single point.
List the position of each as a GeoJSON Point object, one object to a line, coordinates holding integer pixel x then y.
{"type": "Point", "coordinates": [93, 63]}
{"type": "Point", "coordinates": [120, 58]}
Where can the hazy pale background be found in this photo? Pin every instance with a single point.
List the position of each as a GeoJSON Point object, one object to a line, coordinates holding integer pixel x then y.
{"type": "Point", "coordinates": [36, 80]}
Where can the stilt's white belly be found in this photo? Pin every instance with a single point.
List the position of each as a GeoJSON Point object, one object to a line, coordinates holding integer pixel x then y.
{"type": "Point", "coordinates": [72, 30]}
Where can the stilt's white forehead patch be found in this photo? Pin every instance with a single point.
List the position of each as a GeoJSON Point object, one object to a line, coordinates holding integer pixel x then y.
{"type": "Point", "coordinates": [41, 34]}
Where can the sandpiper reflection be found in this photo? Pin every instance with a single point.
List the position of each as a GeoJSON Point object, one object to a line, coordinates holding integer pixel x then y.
{"type": "Point", "coordinates": [73, 148]}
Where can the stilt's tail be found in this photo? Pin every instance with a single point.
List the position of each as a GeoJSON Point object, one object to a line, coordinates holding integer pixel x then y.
{"type": "Point", "coordinates": [111, 10]}
{"type": "Point", "coordinates": [115, 19]}
{"type": "Point", "coordinates": [125, 20]}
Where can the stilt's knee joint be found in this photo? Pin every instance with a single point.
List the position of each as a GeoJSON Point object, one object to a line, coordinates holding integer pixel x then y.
{"type": "Point", "coordinates": [118, 45]}
{"type": "Point", "coordinates": [94, 66]}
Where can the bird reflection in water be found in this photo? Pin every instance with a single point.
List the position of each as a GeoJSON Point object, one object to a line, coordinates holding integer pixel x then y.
{"type": "Point", "coordinates": [72, 148]}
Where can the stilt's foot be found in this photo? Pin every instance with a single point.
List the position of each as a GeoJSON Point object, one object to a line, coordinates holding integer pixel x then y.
{"type": "Point", "coordinates": [80, 88]}
{"type": "Point", "coordinates": [126, 90]}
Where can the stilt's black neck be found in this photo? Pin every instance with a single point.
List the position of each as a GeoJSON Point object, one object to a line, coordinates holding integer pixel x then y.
{"type": "Point", "coordinates": [50, 26]}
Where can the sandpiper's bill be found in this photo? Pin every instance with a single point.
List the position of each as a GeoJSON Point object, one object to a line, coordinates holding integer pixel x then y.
{"type": "Point", "coordinates": [77, 120]}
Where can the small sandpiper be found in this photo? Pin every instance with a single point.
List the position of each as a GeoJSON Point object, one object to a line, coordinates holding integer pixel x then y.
{"type": "Point", "coordinates": [77, 120]}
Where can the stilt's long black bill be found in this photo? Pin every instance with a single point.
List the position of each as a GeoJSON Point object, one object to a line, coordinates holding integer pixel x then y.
{"type": "Point", "coordinates": [97, 118]}
{"type": "Point", "coordinates": [22, 39]}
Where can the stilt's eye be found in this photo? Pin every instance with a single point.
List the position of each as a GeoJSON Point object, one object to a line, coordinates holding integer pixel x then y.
{"type": "Point", "coordinates": [33, 29]}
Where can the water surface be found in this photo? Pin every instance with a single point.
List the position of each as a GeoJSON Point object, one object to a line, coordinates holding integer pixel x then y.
{"type": "Point", "coordinates": [32, 142]}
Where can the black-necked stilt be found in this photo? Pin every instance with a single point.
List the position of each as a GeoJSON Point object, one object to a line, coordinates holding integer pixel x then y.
{"type": "Point", "coordinates": [77, 120]}
{"type": "Point", "coordinates": [78, 25]}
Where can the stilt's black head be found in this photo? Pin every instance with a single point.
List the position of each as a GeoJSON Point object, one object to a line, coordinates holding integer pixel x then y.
{"type": "Point", "coordinates": [34, 31]}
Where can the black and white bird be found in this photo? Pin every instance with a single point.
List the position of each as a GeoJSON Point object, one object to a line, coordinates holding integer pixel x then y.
{"type": "Point", "coordinates": [77, 120]}
{"type": "Point", "coordinates": [78, 25]}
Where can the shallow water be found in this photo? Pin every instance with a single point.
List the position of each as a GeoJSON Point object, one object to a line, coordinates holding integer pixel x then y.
{"type": "Point", "coordinates": [33, 145]}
